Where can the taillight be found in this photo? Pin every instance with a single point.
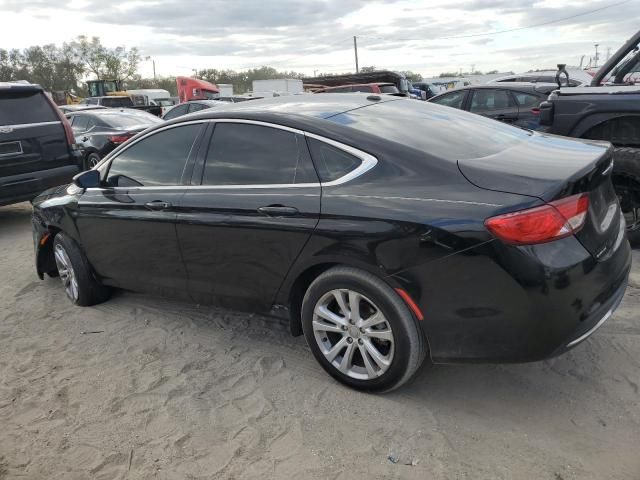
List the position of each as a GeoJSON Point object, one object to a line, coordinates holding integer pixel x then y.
{"type": "Point", "coordinates": [548, 222]}
{"type": "Point", "coordinates": [119, 138]}
{"type": "Point", "coordinates": [535, 111]}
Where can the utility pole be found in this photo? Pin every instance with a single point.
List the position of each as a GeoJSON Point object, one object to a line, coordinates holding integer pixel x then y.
{"type": "Point", "coordinates": [355, 49]}
{"type": "Point", "coordinates": [154, 70]}
{"type": "Point", "coordinates": [596, 59]}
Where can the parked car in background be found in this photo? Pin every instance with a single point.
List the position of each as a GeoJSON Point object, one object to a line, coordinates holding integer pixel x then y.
{"type": "Point", "coordinates": [514, 103]}
{"type": "Point", "coordinates": [167, 104]}
{"type": "Point", "coordinates": [237, 98]}
{"type": "Point", "coordinates": [190, 107]}
{"type": "Point", "coordinates": [98, 132]}
{"type": "Point", "coordinates": [78, 108]}
{"type": "Point", "coordinates": [608, 109]}
{"type": "Point", "coordinates": [114, 101]}
{"type": "Point", "coordinates": [37, 148]}
{"type": "Point", "coordinates": [378, 87]}
{"type": "Point", "coordinates": [482, 241]}
{"type": "Point", "coordinates": [424, 90]}
{"type": "Point", "coordinates": [577, 77]}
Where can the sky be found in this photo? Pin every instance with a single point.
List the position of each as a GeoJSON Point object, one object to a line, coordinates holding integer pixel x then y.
{"type": "Point", "coordinates": [427, 37]}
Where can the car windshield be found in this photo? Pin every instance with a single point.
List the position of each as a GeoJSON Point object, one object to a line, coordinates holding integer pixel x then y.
{"type": "Point", "coordinates": [453, 134]}
{"type": "Point", "coordinates": [125, 120]}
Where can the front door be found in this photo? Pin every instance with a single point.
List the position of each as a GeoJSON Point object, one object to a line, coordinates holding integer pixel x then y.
{"type": "Point", "coordinates": [127, 227]}
{"type": "Point", "coordinates": [256, 203]}
{"type": "Point", "coordinates": [494, 103]}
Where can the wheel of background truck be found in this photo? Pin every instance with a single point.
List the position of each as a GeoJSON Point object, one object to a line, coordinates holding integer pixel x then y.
{"type": "Point", "coordinates": [626, 181]}
{"type": "Point", "coordinates": [91, 161]}
{"type": "Point", "coordinates": [74, 270]}
{"type": "Point", "coordinates": [361, 331]}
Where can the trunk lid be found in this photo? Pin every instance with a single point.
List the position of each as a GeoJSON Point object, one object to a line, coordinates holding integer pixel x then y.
{"type": "Point", "coordinates": [32, 137]}
{"type": "Point", "coordinates": [550, 168]}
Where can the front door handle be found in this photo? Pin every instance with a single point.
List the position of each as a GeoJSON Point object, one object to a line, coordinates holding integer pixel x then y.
{"type": "Point", "coordinates": [157, 205]}
{"type": "Point", "coordinates": [278, 211]}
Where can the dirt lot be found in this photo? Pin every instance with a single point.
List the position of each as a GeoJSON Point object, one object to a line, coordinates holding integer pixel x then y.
{"type": "Point", "coordinates": [169, 390]}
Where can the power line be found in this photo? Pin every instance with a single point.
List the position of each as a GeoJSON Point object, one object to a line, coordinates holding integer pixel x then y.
{"type": "Point", "coordinates": [498, 32]}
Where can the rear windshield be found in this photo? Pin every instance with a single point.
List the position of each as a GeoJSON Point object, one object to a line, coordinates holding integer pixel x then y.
{"type": "Point", "coordinates": [117, 102]}
{"type": "Point", "coordinates": [447, 132]}
{"type": "Point", "coordinates": [125, 120]}
{"type": "Point", "coordinates": [389, 89]}
{"type": "Point", "coordinates": [18, 108]}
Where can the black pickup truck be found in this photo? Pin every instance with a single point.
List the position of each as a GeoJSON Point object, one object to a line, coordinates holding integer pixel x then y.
{"type": "Point", "coordinates": [608, 110]}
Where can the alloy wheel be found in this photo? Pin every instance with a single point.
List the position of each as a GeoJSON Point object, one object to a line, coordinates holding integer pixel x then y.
{"type": "Point", "coordinates": [66, 272]}
{"type": "Point", "coordinates": [353, 334]}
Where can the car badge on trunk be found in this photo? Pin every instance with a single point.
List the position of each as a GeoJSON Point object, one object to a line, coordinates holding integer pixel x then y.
{"type": "Point", "coordinates": [6, 129]}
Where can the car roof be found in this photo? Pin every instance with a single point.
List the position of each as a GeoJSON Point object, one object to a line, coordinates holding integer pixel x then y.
{"type": "Point", "coordinates": [20, 86]}
{"type": "Point", "coordinates": [310, 105]}
{"type": "Point", "coordinates": [541, 88]}
{"type": "Point", "coordinates": [113, 111]}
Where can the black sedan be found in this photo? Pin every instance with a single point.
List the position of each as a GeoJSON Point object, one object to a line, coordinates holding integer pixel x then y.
{"type": "Point", "coordinates": [477, 242]}
{"type": "Point", "coordinates": [514, 103]}
{"type": "Point", "coordinates": [190, 107]}
{"type": "Point", "coordinates": [99, 131]}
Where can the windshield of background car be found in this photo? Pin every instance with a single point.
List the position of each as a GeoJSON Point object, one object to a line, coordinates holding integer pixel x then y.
{"type": "Point", "coordinates": [211, 95]}
{"type": "Point", "coordinates": [452, 134]}
{"type": "Point", "coordinates": [25, 107]}
{"type": "Point", "coordinates": [122, 120]}
{"type": "Point", "coordinates": [389, 89]}
{"type": "Point", "coordinates": [117, 102]}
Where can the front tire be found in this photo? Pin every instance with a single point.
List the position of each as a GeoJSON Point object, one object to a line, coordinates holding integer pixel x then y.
{"type": "Point", "coordinates": [78, 280]}
{"type": "Point", "coordinates": [360, 330]}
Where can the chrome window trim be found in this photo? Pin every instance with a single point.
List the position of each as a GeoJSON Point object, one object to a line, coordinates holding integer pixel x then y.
{"type": "Point", "coordinates": [589, 332]}
{"type": "Point", "coordinates": [368, 161]}
{"type": "Point", "coordinates": [10, 154]}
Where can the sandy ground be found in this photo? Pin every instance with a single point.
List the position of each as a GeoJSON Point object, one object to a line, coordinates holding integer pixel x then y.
{"type": "Point", "coordinates": [168, 390]}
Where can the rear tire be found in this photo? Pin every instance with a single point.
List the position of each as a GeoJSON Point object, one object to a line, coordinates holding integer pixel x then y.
{"type": "Point", "coordinates": [80, 284]}
{"type": "Point", "coordinates": [361, 331]}
{"type": "Point", "coordinates": [626, 181]}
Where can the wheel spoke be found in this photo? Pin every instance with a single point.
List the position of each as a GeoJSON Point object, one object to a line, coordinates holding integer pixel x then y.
{"type": "Point", "coordinates": [377, 357]}
{"type": "Point", "coordinates": [380, 334]}
{"type": "Point", "coordinates": [59, 257]}
{"type": "Point", "coordinates": [339, 296]}
{"type": "Point", "coordinates": [354, 306]}
{"type": "Point", "coordinates": [326, 327]}
{"type": "Point", "coordinates": [371, 371]}
{"type": "Point", "coordinates": [324, 312]}
{"type": "Point", "coordinates": [375, 319]}
{"type": "Point", "coordinates": [347, 358]}
{"type": "Point", "coordinates": [336, 349]}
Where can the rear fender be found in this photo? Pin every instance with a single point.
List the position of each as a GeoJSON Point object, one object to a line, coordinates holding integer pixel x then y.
{"type": "Point", "coordinates": [596, 127]}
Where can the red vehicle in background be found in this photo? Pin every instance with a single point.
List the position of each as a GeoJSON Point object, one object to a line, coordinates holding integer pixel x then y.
{"type": "Point", "coordinates": [194, 89]}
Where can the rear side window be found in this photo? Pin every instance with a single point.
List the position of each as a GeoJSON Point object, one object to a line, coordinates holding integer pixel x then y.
{"type": "Point", "coordinates": [489, 100]}
{"type": "Point", "coordinates": [20, 108]}
{"type": "Point", "coordinates": [156, 160]}
{"type": "Point", "coordinates": [242, 154]}
{"type": "Point", "coordinates": [175, 112]}
{"type": "Point", "coordinates": [526, 99]}
{"type": "Point", "coordinates": [362, 88]}
{"type": "Point", "coordinates": [453, 99]}
{"type": "Point", "coordinates": [331, 162]}
{"type": "Point", "coordinates": [389, 89]}
{"type": "Point", "coordinates": [80, 123]}
{"type": "Point", "coordinates": [195, 107]}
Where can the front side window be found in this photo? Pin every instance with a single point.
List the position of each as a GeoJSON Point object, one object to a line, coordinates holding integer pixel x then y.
{"type": "Point", "coordinates": [362, 88]}
{"type": "Point", "coordinates": [453, 99]}
{"type": "Point", "coordinates": [156, 160]}
{"type": "Point", "coordinates": [389, 89]}
{"type": "Point", "coordinates": [243, 154]}
{"type": "Point", "coordinates": [489, 100]}
{"type": "Point", "coordinates": [195, 107]}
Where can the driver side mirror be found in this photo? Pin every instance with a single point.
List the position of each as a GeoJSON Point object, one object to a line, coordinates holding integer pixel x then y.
{"type": "Point", "coordinates": [88, 179]}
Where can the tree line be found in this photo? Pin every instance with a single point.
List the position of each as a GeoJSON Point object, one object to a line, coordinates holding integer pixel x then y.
{"type": "Point", "coordinates": [66, 67]}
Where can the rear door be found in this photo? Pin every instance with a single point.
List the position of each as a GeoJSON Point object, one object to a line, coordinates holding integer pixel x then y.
{"type": "Point", "coordinates": [127, 227]}
{"type": "Point", "coordinates": [32, 137]}
{"type": "Point", "coordinates": [494, 103]}
{"type": "Point", "coordinates": [254, 205]}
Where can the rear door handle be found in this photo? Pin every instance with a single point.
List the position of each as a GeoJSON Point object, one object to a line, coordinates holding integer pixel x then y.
{"type": "Point", "coordinates": [278, 211]}
{"type": "Point", "coordinates": [157, 205]}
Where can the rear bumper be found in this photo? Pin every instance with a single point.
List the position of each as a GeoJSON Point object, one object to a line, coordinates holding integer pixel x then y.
{"type": "Point", "coordinates": [498, 303]}
{"type": "Point", "coordinates": [26, 186]}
